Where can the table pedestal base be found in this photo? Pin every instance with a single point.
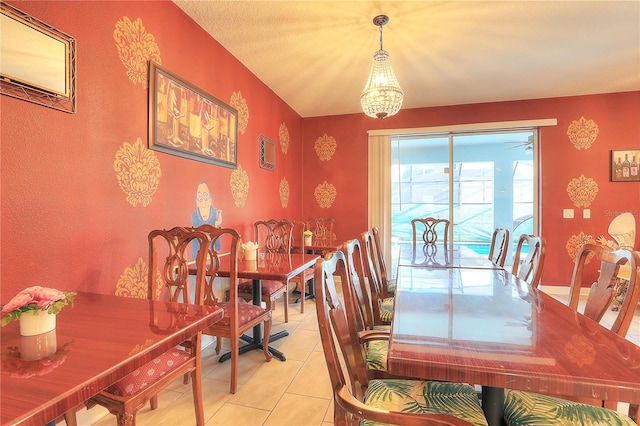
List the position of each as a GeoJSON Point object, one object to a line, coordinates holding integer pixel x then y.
{"type": "Point", "coordinates": [493, 405]}
{"type": "Point", "coordinates": [253, 344]}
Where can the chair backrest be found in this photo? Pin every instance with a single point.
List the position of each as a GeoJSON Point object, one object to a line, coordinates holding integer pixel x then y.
{"type": "Point", "coordinates": [380, 260]}
{"type": "Point", "coordinates": [169, 261]}
{"type": "Point", "coordinates": [334, 327]}
{"type": "Point", "coordinates": [322, 228]}
{"type": "Point", "coordinates": [375, 285]}
{"type": "Point", "coordinates": [529, 268]}
{"type": "Point", "coordinates": [228, 239]}
{"type": "Point", "coordinates": [355, 291]}
{"type": "Point", "coordinates": [499, 246]}
{"type": "Point", "coordinates": [602, 291]}
{"type": "Point", "coordinates": [427, 229]}
{"type": "Point", "coordinates": [275, 235]}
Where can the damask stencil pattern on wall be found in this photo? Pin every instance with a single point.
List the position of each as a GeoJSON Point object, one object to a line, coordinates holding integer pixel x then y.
{"type": "Point", "coordinates": [138, 172]}
{"type": "Point", "coordinates": [134, 281]}
{"type": "Point", "coordinates": [239, 183]}
{"type": "Point", "coordinates": [136, 47]}
{"type": "Point", "coordinates": [325, 147]}
{"type": "Point", "coordinates": [582, 191]}
{"type": "Point", "coordinates": [283, 135]}
{"type": "Point", "coordinates": [325, 194]}
{"type": "Point", "coordinates": [576, 241]}
{"type": "Point", "coordinates": [240, 104]}
{"type": "Point", "coordinates": [284, 192]}
{"type": "Point", "coordinates": [582, 133]}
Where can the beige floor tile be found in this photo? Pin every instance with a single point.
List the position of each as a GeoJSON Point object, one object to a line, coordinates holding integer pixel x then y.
{"type": "Point", "coordinates": [298, 410]}
{"type": "Point", "coordinates": [313, 378]}
{"type": "Point", "coordinates": [230, 415]}
{"type": "Point", "coordinates": [328, 416]}
{"type": "Point", "coordinates": [248, 364]}
{"type": "Point", "coordinates": [267, 385]}
{"type": "Point", "coordinates": [300, 344]}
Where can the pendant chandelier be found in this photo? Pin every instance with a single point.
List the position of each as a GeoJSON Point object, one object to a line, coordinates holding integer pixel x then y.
{"type": "Point", "coordinates": [382, 95]}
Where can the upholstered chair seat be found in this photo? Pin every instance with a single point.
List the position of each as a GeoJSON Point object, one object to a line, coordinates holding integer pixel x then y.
{"type": "Point", "coordinates": [386, 310]}
{"type": "Point", "coordinates": [269, 287]}
{"type": "Point", "coordinates": [247, 312]}
{"type": "Point", "coordinates": [149, 373]}
{"type": "Point", "coordinates": [527, 408]}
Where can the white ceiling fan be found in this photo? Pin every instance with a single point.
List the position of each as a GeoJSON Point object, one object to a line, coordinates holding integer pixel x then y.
{"type": "Point", "coordinates": [528, 144]}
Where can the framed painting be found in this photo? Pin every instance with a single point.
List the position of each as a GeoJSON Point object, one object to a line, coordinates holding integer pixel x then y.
{"type": "Point", "coordinates": [186, 121]}
{"type": "Point", "coordinates": [624, 165]}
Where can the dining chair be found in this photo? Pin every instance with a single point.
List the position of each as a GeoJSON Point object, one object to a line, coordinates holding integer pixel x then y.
{"type": "Point", "coordinates": [239, 315]}
{"type": "Point", "coordinates": [305, 277]}
{"type": "Point", "coordinates": [322, 228]}
{"type": "Point", "coordinates": [373, 338]}
{"type": "Point", "coordinates": [391, 401]}
{"type": "Point", "coordinates": [530, 408]}
{"type": "Point", "coordinates": [168, 279]}
{"type": "Point", "coordinates": [275, 236]}
{"type": "Point", "coordinates": [529, 268]}
{"type": "Point", "coordinates": [430, 230]}
{"type": "Point", "coordinates": [388, 283]}
{"type": "Point", "coordinates": [382, 306]}
{"type": "Point", "coordinates": [499, 246]}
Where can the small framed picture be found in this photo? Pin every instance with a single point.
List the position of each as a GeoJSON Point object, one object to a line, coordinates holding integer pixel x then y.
{"type": "Point", "coordinates": [624, 165]}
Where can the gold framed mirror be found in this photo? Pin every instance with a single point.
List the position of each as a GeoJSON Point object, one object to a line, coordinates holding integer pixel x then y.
{"type": "Point", "coordinates": [267, 153]}
{"type": "Point", "coordinates": [38, 61]}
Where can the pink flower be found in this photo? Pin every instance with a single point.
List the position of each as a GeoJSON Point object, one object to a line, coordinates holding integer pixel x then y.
{"type": "Point", "coordinates": [19, 300]}
{"type": "Point", "coordinates": [43, 297]}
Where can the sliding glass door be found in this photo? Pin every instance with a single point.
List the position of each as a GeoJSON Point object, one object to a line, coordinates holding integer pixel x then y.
{"type": "Point", "coordinates": [478, 181]}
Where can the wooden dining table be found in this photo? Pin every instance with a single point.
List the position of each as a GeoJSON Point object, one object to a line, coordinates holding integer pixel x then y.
{"type": "Point", "coordinates": [267, 266]}
{"type": "Point", "coordinates": [487, 327]}
{"type": "Point", "coordinates": [97, 342]}
{"type": "Point", "coordinates": [441, 256]}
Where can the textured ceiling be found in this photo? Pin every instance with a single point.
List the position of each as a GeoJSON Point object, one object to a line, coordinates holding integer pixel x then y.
{"type": "Point", "coordinates": [316, 55]}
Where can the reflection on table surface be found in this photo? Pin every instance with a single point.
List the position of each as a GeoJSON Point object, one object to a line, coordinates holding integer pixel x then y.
{"type": "Point", "coordinates": [98, 341]}
{"type": "Point", "coordinates": [440, 256]}
{"type": "Point", "coordinates": [487, 327]}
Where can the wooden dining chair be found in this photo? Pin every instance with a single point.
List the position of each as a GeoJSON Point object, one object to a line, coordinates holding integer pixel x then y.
{"type": "Point", "coordinates": [499, 246]}
{"type": "Point", "coordinates": [373, 338]}
{"type": "Point", "coordinates": [382, 306]}
{"type": "Point", "coordinates": [529, 267]}
{"type": "Point", "coordinates": [393, 401]}
{"type": "Point", "coordinates": [239, 315]}
{"type": "Point", "coordinates": [430, 230]}
{"type": "Point", "coordinates": [322, 228]}
{"type": "Point", "coordinates": [388, 283]}
{"type": "Point", "coordinates": [168, 279]}
{"type": "Point", "coordinates": [531, 408]}
{"type": "Point", "coordinates": [305, 277]}
{"type": "Point", "coordinates": [275, 236]}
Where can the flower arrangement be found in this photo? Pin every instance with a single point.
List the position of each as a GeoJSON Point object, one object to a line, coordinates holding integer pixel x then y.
{"type": "Point", "coordinates": [307, 233]}
{"type": "Point", "coordinates": [35, 298]}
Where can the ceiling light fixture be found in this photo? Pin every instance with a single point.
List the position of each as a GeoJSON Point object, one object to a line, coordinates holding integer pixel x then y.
{"type": "Point", "coordinates": [382, 95]}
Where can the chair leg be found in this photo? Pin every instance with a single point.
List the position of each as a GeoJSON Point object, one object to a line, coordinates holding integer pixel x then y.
{"type": "Point", "coordinates": [286, 304]}
{"type": "Point", "coordinates": [265, 340]}
{"type": "Point", "coordinates": [70, 417]}
{"type": "Point", "coordinates": [303, 292]}
{"type": "Point", "coordinates": [153, 402]}
{"type": "Point", "coordinates": [197, 393]}
{"type": "Point", "coordinates": [235, 355]}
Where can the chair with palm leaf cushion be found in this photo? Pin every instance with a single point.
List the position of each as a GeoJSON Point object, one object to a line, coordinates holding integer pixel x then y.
{"type": "Point", "coordinates": [394, 401]}
{"type": "Point", "coordinates": [531, 408]}
{"type": "Point", "coordinates": [383, 306]}
{"type": "Point", "coordinates": [499, 246]}
{"type": "Point", "coordinates": [276, 237]}
{"type": "Point", "coordinates": [239, 315]}
{"type": "Point", "coordinates": [168, 280]}
{"type": "Point", "coordinates": [388, 284]}
{"type": "Point", "coordinates": [374, 339]}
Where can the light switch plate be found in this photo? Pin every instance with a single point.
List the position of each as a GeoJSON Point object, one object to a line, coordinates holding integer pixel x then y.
{"type": "Point", "coordinates": [586, 214]}
{"type": "Point", "coordinates": [567, 213]}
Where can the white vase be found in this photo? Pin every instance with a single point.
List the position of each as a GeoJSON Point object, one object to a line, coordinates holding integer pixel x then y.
{"type": "Point", "coordinates": [307, 240]}
{"type": "Point", "coordinates": [36, 322]}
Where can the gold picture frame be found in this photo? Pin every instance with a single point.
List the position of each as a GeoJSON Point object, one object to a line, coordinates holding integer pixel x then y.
{"type": "Point", "coordinates": [625, 165]}
{"type": "Point", "coordinates": [186, 121]}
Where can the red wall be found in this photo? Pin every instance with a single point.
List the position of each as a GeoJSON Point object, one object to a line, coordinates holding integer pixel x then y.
{"type": "Point", "coordinates": [616, 115]}
{"type": "Point", "coordinates": [65, 221]}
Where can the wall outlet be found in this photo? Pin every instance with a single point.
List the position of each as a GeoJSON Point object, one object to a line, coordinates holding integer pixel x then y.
{"type": "Point", "coordinates": [567, 213]}
{"type": "Point", "coordinates": [586, 214]}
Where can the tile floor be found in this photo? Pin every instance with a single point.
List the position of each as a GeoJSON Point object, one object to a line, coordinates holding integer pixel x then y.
{"type": "Point", "coordinates": [295, 392]}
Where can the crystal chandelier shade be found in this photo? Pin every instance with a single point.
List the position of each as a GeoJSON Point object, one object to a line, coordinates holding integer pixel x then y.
{"type": "Point", "coordinates": [382, 95]}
